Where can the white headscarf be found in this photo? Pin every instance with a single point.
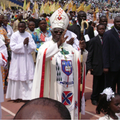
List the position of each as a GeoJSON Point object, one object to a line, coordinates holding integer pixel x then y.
{"type": "Point", "coordinates": [110, 94]}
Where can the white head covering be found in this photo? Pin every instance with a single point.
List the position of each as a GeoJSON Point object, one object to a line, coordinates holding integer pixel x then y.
{"type": "Point", "coordinates": [110, 94]}
{"type": "Point", "coordinates": [59, 19]}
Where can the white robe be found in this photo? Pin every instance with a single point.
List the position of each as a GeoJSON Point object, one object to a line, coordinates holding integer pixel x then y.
{"type": "Point", "coordinates": [21, 68]}
{"type": "Point", "coordinates": [51, 88]}
{"type": "Point", "coordinates": [3, 61]}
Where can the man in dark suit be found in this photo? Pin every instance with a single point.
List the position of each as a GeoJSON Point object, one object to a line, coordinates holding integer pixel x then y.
{"type": "Point", "coordinates": [111, 56]}
{"type": "Point", "coordinates": [95, 63]}
{"type": "Point", "coordinates": [76, 28]}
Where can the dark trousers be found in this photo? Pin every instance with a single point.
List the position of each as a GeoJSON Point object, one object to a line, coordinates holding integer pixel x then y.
{"type": "Point", "coordinates": [112, 79]}
{"type": "Point", "coordinates": [98, 86]}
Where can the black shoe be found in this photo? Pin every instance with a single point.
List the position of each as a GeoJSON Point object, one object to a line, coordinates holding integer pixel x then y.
{"type": "Point", "coordinates": [94, 102]}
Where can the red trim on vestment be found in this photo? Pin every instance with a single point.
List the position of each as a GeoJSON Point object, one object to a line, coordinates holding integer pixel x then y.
{"type": "Point", "coordinates": [3, 57]}
{"type": "Point", "coordinates": [83, 88]}
{"type": "Point", "coordinates": [43, 74]}
{"type": "Point", "coordinates": [79, 82]}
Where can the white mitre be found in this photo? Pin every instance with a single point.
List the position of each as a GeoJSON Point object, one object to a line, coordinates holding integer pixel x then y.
{"type": "Point", "coordinates": [59, 19]}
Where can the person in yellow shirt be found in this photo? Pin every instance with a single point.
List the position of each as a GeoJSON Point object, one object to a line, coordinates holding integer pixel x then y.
{"type": "Point", "coordinates": [15, 25]}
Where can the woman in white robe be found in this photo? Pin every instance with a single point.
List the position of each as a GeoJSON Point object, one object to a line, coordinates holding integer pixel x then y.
{"type": "Point", "coordinates": [22, 66]}
{"type": "Point", "coordinates": [3, 61]}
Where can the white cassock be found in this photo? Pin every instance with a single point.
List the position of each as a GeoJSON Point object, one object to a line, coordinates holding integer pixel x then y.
{"type": "Point", "coordinates": [21, 68]}
{"type": "Point", "coordinates": [56, 77]}
{"type": "Point", "coordinates": [3, 62]}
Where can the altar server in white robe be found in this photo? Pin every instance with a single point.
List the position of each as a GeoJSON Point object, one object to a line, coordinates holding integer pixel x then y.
{"type": "Point", "coordinates": [22, 66]}
{"type": "Point", "coordinates": [3, 62]}
{"type": "Point", "coordinates": [57, 72]}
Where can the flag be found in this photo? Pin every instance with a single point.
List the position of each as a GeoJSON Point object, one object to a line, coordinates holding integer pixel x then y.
{"type": "Point", "coordinates": [28, 6]}
{"type": "Point", "coordinates": [24, 5]}
{"type": "Point", "coordinates": [81, 7]}
{"type": "Point", "coordinates": [35, 10]}
{"type": "Point", "coordinates": [2, 5]}
{"type": "Point", "coordinates": [70, 5]}
{"type": "Point", "coordinates": [94, 16]}
{"type": "Point", "coordinates": [52, 7]}
{"type": "Point", "coordinates": [97, 10]}
{"type": "Point", "coordinates": [74, 8]}
{"type": "Point", "coordinates": [57, 5]}
{"type": "Point", "coordinates": [9, 5]}
{"type": "Point", "coordinates": [47, 9]}
{"type": "Point", "coordinates": [42, 9]}
{"type": "Point", "coordinates": [87, 8]}
{"type": "Point", "coordinates": [65, 6]}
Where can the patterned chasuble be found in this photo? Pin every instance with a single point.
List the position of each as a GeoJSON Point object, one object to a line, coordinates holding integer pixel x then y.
{"type": "Point", "coordinates": [65, 79]}
{"type": "Point", "coordinates": [64, 69]}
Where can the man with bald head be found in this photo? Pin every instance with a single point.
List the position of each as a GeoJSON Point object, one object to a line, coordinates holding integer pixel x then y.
{"type": "Point", "coordinates": [111, 56]}
{"type": "Point", "coordinates": [43, 108]}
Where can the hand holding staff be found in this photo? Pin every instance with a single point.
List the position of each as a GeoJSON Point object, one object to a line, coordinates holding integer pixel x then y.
{"type": "Point", "coordinates": [82, 47]}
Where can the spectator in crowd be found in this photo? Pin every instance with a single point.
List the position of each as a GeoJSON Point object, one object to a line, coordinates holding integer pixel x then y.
{"type": "Point", "coordinates": [31, 30]}
{"type": "Point", "coordinates": [76, 28]}
{"type": "Point", "coordinates": [95, 63]}
{"type": "Point", "coordinates": [15, 25]}
{"type": "Point", "coordinates": [43, 31]}
{"type": "Point", "coordinates": [7, 27]}
{"type": "Point", "coordinates": [111, 56]}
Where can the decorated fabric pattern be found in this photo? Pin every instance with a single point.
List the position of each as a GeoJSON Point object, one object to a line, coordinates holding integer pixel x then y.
{"type": "Point", "coordinates": [42, 36]}
{"type": "Point", "coordinates": [64, 70]}
{"type": "Point", "coordinates": [67, 97]}
{"type": "Point", "coordinates": [59, 78]}
{"type": "Point", "coordinates": [37, 41]}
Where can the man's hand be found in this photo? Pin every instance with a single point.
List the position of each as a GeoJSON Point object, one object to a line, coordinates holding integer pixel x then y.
{"type": "Point", "coordinates": [105, 70]}
{"type": "Point", "coordinates": [62, 39]}
{"type": "Point", "coordinates": [71, 41]}
{"type": "Point", "coordinates": [82, 44]}
{"type": "Point", "coordinates": [26, 41]}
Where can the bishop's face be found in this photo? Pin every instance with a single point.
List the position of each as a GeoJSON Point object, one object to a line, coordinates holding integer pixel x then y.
{"type": "Point", "coordinates": [56, 34]}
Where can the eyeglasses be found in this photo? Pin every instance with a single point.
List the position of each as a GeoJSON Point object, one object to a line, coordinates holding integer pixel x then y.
{"type": "Point", "coordinates": [59, 31]}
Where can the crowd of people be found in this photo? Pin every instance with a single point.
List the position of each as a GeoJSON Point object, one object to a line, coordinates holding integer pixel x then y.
{"type": "Point", "coordinates": [50, 57]}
